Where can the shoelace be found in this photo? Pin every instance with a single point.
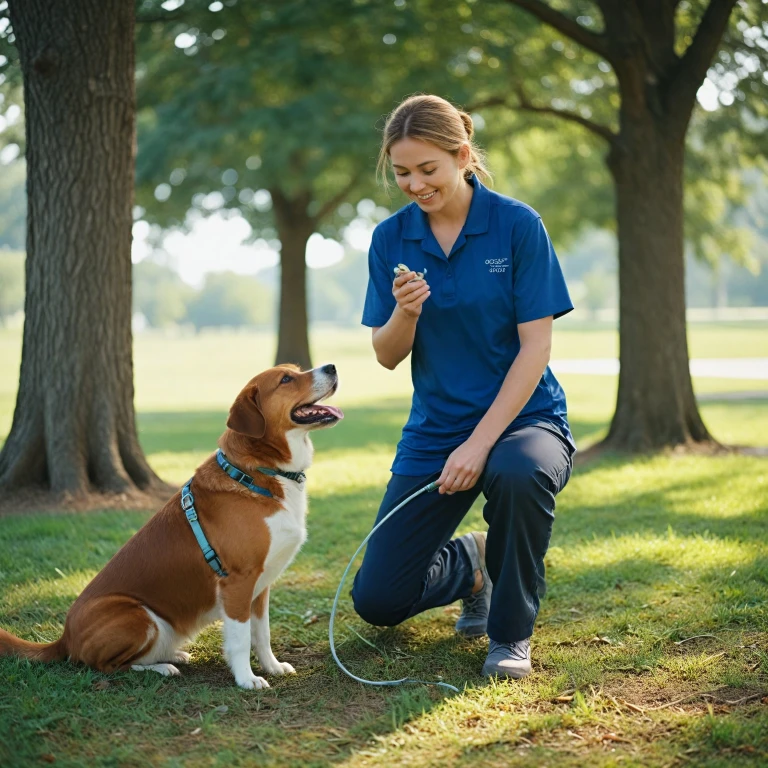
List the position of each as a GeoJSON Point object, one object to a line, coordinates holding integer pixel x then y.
{"type": "Point", "coordinates": [518, 651]}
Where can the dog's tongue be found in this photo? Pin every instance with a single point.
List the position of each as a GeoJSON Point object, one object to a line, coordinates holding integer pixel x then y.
{"type": "Point", "coordinates": [316, 410]}
{"type": "Point", "coordinates": [337, 412]}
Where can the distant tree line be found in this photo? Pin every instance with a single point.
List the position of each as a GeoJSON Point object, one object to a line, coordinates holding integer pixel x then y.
{"type": "Point", "coordinates": [335, 293]}
{"type": "Point", "coordinates": [227, 299]}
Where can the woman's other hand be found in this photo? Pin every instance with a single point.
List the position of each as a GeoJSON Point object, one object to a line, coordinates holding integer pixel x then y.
{"type": "Point", "coordinates": [464, 467]}
{"type": "Point", "coordinates": [410, 293]}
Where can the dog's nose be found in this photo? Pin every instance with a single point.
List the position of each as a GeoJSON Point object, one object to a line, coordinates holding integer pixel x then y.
{"type": "Point", "coordinates": [330, 369]}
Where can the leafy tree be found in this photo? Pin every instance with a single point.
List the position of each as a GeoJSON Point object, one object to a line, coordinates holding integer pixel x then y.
{"type": "Point", "coordinates": [280, 129]}
{"type": "Point", "coordinates": [640, 66]}
{"type": "Point", "coordinates": [272, 108]}
{"type": "Point", "coordinates": [237, 114]}
{"type": "Point", "coordinates": [73, 428]}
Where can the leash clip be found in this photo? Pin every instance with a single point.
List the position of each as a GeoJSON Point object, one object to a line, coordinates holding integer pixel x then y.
{"type": "Point", "coordinates": [187, 499]}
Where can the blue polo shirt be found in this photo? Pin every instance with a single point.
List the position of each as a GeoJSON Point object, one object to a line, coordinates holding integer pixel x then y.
{"type": "Point", "coordinates": [502, 270]}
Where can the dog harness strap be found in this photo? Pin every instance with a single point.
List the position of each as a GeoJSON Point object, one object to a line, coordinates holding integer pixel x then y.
{"type": "Point", "coordinates": [240, 476]}
{"type": "Point", "coordinates": [298, 477]}
{"type": "Point", "coordinates": [209, 553]}
{"type": "Point", "coordinates": [247, 480]}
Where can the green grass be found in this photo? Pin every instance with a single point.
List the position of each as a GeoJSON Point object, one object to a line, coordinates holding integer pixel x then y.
{"type": "Point", "coordinates": [658, 593]}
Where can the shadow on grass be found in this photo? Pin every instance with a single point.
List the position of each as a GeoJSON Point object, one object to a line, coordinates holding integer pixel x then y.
{"type": "Point", "coordinates": [67, 545]}
{"type": "Point", "coordinates": [316, 717]}
{"type": "Point", "coordinates": [664, 506]}
{"type": "Point", "coordinates": [739, 399]}
{"type": "Point", "coordinates": [320, 716]}
{"type": "Point", "coordinates": [362, 426]}
{"type": "Point", "coordinates": [636, 580]}
{"type": "Point", "coordinates": [180, 432]}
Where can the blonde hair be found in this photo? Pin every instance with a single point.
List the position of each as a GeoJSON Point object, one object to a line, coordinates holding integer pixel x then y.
{"type": "Point", "coordinates": [432, 119]}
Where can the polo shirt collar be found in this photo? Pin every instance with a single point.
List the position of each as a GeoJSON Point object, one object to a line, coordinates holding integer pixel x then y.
{"type": "Point", "coordinates": [479, 209]}
{"type": "Point", "coordinates": [417, 222]}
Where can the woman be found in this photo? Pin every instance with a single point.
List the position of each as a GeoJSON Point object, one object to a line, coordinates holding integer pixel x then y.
{"type": "Point", "coordinates": [487, 414]}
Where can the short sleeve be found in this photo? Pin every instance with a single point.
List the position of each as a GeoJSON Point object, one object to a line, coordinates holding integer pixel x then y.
{"type": "Point", "coordinates": [538, 284]}
{"type": "Point", "coordinates": [379, 301]}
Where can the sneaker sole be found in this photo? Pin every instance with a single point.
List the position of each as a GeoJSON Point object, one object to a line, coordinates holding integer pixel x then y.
{"type": "Point", "coordinates": [504, 673]}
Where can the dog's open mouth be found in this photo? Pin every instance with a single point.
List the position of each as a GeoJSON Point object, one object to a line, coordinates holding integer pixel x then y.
{"type": "Point", "coordinates": [312, 413]}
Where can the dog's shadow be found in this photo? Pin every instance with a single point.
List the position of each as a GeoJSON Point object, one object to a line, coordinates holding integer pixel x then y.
{"type": "Point", "coordinates": [321, 697]}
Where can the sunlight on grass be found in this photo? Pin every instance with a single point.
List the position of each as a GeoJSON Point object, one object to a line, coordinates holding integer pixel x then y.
{"type": "Point", "coordinates": [61, 590]}
{"type": "Point", "coordinates": [232, 358]}
{"type": "Point", "coordinates": [177, 468]}
{"type": "Point", "coordinates": [657, 593]}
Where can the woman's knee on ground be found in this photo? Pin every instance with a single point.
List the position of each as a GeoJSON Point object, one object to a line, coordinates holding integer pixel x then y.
{"type": "Point", "coordinates": [378, 605]}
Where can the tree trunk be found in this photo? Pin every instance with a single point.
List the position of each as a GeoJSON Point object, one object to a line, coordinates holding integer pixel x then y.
{"type": "Point", "coordinates": [656, 406]}
{"type": "Point", "coordinates": [294, 227]}
{"type": "Point", "coordinates": [73, 428]}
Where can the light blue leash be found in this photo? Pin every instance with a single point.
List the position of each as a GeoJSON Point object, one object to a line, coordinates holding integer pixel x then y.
{"type": "Point", "coordinates": [428, 489]}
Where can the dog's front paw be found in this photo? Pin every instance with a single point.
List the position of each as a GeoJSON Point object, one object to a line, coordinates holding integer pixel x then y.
{"type": "Point", "coordinates": [252, 682]}
{"type": "Point", "coordinates": [181, 657]}
{"type": "Point", "coordinates": [276, 667]}
{"type": "Point", "coordinates": [166, 670]}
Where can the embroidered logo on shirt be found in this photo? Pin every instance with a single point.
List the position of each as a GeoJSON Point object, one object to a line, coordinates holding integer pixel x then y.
{"type": "Point", "coordinates": [497, 265]}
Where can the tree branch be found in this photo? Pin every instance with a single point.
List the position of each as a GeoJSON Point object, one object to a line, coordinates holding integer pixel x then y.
{"type": "Point", "coordinates": [336, 200]}
{"type": "Point", "coordinates": [525, 104]}
{"type": "Point", "coordinates": [693, 65]}
{"type": "Point", "coordinates": [492, 101]}
{"type": "Point", "coordinates": [569, 27]}
{"type": "Point", "coordinates": [600, 130]}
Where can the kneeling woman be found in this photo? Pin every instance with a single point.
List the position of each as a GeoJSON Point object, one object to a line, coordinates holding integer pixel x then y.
{"type": "Point", "coordinates": [487, 415]}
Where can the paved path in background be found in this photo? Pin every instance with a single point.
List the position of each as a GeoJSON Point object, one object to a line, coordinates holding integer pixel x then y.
{"type": "Point", "coordinates": [754, 368]}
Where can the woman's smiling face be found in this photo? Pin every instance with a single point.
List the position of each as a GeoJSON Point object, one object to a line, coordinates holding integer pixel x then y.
{"type": "Point", "coordinates": [427, 174]}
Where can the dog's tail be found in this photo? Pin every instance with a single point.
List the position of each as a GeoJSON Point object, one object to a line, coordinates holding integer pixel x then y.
{"type": "Point", "coordinates": [10, 645]}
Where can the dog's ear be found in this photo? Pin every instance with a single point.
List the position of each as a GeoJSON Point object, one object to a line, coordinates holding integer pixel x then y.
{"type": "Point", "coordinates": [245, 415]}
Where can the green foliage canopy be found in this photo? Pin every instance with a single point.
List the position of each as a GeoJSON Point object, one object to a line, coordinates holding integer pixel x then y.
{"type": "Point", "coordinates": [289, 94]}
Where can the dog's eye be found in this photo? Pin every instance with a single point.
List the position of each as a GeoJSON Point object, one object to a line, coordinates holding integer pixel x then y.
{"type": "Point", "coordinates": [286, 379]}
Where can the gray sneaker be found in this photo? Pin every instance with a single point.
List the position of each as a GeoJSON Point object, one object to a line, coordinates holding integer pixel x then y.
{"type": "Point", "coordinates": [508, 659]}
{"type": "Point", "coordinates": [474, 611]}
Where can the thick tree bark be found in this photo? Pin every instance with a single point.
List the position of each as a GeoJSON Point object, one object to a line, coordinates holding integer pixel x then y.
{"type": "Point", "coordinates": [656, 406]}
{"type": "Point", "coordinates": [294, 227]}
{"type": "Point", "coordinates": [73, 428]}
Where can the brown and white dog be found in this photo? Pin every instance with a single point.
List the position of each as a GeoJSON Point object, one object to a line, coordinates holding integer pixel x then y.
{"type": "Point", "coordinates": [158, 592]}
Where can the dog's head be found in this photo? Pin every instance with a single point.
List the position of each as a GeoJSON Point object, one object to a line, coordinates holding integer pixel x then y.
{"type": "Point", "coordinates": [285, 398]}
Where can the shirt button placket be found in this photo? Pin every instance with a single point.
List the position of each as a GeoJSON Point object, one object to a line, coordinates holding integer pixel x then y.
{"type": "Point", "coordinates": [449, 286]}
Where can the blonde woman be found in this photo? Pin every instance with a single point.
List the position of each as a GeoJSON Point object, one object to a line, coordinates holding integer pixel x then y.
{"type": "Point", "coordinates": [488, 415]}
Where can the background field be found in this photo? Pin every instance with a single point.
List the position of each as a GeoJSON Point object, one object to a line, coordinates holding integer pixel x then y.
{"type": "Point", "coordinates": [199, 375]}
{"type": "Point", "coordinates": [651, 647]}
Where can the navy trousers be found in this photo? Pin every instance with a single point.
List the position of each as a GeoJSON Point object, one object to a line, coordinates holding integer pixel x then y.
{"type": "Point", "coordinates": [412, 564]}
